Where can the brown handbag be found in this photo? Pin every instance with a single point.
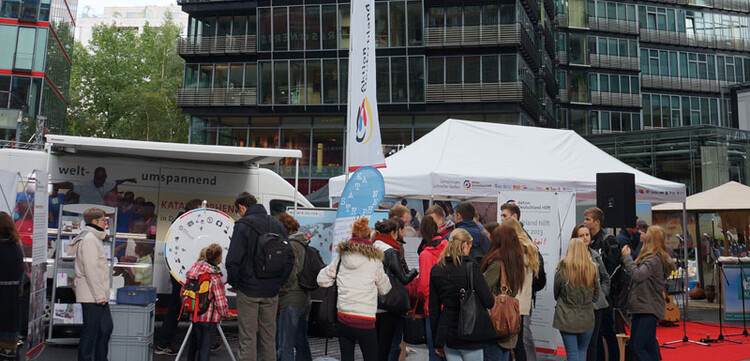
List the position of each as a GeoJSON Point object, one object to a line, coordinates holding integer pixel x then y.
{"type": "Point", "coordinates": [505, 314]}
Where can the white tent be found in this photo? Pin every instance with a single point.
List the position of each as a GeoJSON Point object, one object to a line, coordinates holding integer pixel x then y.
{"type": "Point", "coordinates": [474, 160]}
{"type": "Point", "coordinates": [730, 196]}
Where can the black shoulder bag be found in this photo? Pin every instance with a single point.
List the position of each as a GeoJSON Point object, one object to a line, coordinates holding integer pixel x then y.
{"type": "Point", "coordinates": [328, 309]}
{"type": "Point", "coordinates": [474, 322]}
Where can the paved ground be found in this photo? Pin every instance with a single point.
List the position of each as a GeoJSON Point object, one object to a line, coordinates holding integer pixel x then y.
{"type": "Point", "coordinates": [699, 311]}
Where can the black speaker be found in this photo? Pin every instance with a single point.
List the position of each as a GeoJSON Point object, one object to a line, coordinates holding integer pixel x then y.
{"type": "Point", "coordinates": [615, 196]}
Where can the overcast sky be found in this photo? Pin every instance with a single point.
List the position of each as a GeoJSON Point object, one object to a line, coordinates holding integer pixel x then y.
{"type": "Point", "coordinates": [97, 6]}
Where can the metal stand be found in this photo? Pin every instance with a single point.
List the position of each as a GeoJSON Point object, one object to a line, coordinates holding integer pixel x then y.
{"type": "Point", "coordinates": [223, 339]}
{"type": "Point", "coordinates": [719, 338]}
{"type": "Point", "coordinates": [742, 290]}
{"type": "Point", "coordinates": [684, 298]}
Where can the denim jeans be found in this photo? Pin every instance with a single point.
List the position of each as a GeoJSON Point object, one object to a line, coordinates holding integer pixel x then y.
{"type": "Point", "coordinates": [452, 354]}
{"type": "Point", "coordinates": [201, 339]}
{"type": "Point", "coordinates": [493, 352]}
{"type": "Point", "coordinates": [398, 335]}
{"type": "Point", "coordinates": [643, 337]}
{"type": "Point", "coordinates": [291, 334]}
{"type": "Point", "coordinates": [97, 328]}
{"type": "Point", "coordinates": [576, 345]}
{"type": "Point", "coordinates": [430, 345]}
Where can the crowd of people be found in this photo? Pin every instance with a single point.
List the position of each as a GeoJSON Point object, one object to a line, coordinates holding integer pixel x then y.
{"type": "Point", "coordinates": [375, 288]}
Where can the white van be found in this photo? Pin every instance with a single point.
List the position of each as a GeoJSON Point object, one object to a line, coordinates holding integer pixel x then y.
{"type": "Point", "coordinates": [165, 174]}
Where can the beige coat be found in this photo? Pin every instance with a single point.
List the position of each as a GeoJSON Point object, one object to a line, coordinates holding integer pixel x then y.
{"type": "Point", "coordinates": [92, 270]}
{"type": "Point", "coordinates": [524, 295]}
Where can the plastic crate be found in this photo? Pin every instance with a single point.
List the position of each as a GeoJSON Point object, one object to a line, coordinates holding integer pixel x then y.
{"type": "Point", "coordinates": [131, 349]}
{"type": "Point", "coordinates": [136, 295]}
{"type": "Point", "coordinates": [132, 320]}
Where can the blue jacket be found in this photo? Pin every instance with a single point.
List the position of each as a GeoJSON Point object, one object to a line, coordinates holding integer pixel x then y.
{"type": "Point", "coordinates": [477, 234]}
{"type": "Point", "coordinates": [624, 238]}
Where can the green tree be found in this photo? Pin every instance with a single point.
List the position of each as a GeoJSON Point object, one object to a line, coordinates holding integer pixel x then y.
{"type": "Point", "coordinates": [124, 85]}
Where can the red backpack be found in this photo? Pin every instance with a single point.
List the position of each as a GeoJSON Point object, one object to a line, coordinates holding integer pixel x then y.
{"type": "Point", "coordinates": [196, 295]}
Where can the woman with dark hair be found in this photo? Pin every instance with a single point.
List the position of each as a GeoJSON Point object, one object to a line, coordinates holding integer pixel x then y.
{"type": "Point", "coordinates": [582, 232]}
{"type": "Point", "coordinates": [294, 302]}
{"type": "Point", "coordinates": [505, 256]}
{"type": "Point", "coordinates": [358, 273]}
{"type": "Point", "coordinates": [11, 272]}
{"type": "Point", "coordinates": [433, 245]}
{"type": "Point", "coordinates": [388, 322]}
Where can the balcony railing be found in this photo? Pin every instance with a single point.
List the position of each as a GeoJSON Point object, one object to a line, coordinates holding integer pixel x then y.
{"type": "Point", "coordinates": [507, 34]}
{"type": "Point", "coordinates": [206, 97]}
{"type": "Point", "coordinates": [616, 100]}
{"type": "Point", "coordinates": [615, 62]}
{"type": "Point", "coordinates": [612, 25]}
{"type": "Point", "coordinates": [478, 93]}
{"type": "Point", "coordinates": [682, 84]}
{"type": "Point", "coordinates": [240, 44]}
{"type": "Point", "coordinates": [694, 40]}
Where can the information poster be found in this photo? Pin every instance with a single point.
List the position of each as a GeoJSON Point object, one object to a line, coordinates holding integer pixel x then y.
{"type": "Point", "coordinates": [317, 224]}
{"type": "Point", "coordinates": [548, 217]}
{"type": "Point", "coordinates": [360, 198]}
{"type": "Point", "coordinates": [739, 281]}
{"type": "Point", "coordinates": [33, 216]}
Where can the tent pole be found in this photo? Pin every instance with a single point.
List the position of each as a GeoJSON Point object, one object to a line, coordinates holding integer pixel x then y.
{"type": "Point", "coordinates": [685, 251]}
{"type": "Point", "coordinates": [432, 200]}
{"type": "Point", "coordinates": [296, 184]}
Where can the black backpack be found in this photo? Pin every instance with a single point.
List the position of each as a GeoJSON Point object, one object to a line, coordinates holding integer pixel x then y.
{"type": "Point", "coordinates": [272, 251]}
{"type": "Point", "coordinates": [307, 277]}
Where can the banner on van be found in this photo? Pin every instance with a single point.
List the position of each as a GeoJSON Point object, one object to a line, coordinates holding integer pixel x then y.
{"type": "Point", "coordinates": [364, 146]}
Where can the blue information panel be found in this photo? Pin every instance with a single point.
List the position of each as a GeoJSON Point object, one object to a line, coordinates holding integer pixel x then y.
{"type": "Point", "coordinates": [733, 291]}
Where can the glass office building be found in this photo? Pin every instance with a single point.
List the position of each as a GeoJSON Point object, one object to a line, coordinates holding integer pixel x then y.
{"type": "Point", "coordinates": [275, 74]}
{"type": "Point", "coordinates": [36, 38]}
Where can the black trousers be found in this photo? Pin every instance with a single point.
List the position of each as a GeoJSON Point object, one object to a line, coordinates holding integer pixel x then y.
{"type": "Point", "coordinates": [200, 341]}
{"type": "Point", "coordinates": [594, 344]}
{"type": "Point", "coordinates": [168, 327]}
{"type": "Point", "coordinates": [385, 326]}
{"type": "Point", "coordinates": [607, 331]}
{"type": "Point", "coordinates": [366, 337]}
{"type": "Point", "coordinates": [520, 350]}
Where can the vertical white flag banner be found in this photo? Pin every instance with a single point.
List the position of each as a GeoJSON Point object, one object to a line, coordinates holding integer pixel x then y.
{"type": "Point", "coordinates": [364, 146]}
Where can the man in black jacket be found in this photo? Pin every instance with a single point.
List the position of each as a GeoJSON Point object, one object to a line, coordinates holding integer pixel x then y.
{"type": "Point", "coordinates": [607, 245]}
{"type": "Point", "coordinates": [257, 298]}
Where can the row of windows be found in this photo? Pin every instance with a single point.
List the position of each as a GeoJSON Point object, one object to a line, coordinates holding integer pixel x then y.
{"type": "Point", "coordinates": [617, 121]}
{"type": "Point", "coordinates": [579, 11]}
{"type": "Point", "coordinates": [298, 82]}
{"type": "Point", "coordinates": [695, 65]}
{"type": "Point", "coordinates": [24, 48]}
{"type": "Point", "coordinates": [661, 110]}
{"type": "Point", "coordinates": [210, 26]}
{"type": "Point", "coordinates": [695, 23]}
{"type": "Point", "coordinates": [222, 75]}
{"type": "Point", "coordinates": [588, 122]}
{"type": "Point", "coordinates": [474, 15]}
{"type": "Point", "coordinates": [25, 10]}
{"type": "Point", "coordinates": [475, 69]}
{"type": "Point", "coordinates": [314, 27]}
{"type": "Point", "coordinates": [613, 83]}
{"type": "Point", "coordinates": [579, 47]}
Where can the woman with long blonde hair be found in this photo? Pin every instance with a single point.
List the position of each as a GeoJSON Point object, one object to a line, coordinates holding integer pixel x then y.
{"type": "Point", "coordinates": [448, 277]}
{"type": "Point", "coordinates": [531, 271]}
{"type": "Point", "coordinates": [648, 273]}
{"type": "Point", "coordinates": [576, 289]}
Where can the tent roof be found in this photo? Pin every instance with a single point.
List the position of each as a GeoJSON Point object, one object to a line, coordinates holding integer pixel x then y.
{"type": "Point", "coordinates": [726, 197]}
{"type": "Point", "coordinates": [474, 160]}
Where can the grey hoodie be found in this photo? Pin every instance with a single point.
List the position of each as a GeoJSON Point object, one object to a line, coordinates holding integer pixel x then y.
{"type": "Point", "coordinates": [291, 294]}
{"type": "Point", "coordinates": [91, 267]}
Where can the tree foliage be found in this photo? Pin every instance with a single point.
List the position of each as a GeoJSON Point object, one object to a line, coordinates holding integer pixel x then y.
{"type": "Point", "coordinates": [124, 85]}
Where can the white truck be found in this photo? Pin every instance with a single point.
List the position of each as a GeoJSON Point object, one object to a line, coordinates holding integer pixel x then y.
{"type": "Point", "coordinates": [165, 174]}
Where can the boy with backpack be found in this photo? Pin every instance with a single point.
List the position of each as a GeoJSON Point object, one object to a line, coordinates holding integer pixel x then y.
{"type": "Point", "coordinates": [205, 302]}
{"type": "Point", "coordinates": [294, 296]}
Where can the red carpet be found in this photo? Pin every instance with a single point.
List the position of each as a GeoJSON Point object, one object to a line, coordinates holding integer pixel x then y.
{"type": "Point", "coordinates": [721, 351]}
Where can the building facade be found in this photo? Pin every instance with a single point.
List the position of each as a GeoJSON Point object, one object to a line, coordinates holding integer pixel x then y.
{"type": "Point", "coordinates": [275, 73]}
{"type": "Point", "coordinates": [613, 71]}
{"type": "Point", "coordinates": [37, 41]}
{"type": "Point", "coordinates": [129, 17]}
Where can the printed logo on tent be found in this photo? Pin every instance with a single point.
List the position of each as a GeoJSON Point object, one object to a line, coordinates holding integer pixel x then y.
{"type": "Point", "coordinates": [467, 184]}
{"type": "Point", "coordinates": [364, 122]}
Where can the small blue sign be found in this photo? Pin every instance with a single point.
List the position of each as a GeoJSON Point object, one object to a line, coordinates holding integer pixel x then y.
{"type": "Point", "coordinates": [362, 193]}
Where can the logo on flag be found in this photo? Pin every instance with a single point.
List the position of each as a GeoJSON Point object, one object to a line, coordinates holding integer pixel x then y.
{"type": "Point", "coordinates": [467, 184]}
{"type": "Point", "coordinates": [364, 122]}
